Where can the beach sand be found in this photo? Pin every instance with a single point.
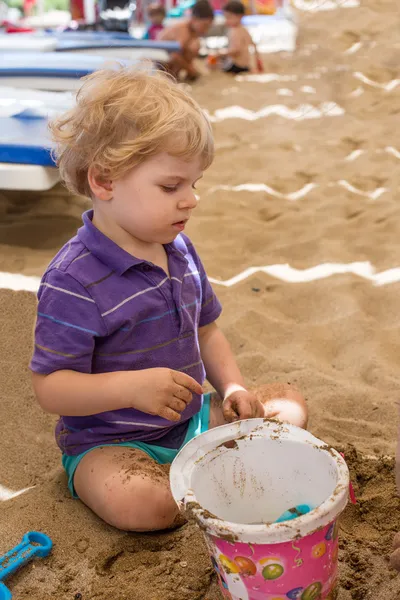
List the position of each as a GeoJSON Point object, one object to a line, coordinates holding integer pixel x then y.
{"type": "Point", "coordinates": [328, 180]}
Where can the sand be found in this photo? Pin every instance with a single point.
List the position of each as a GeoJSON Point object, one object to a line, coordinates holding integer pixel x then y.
{"type": "Point", "coordinates": [326, 178]}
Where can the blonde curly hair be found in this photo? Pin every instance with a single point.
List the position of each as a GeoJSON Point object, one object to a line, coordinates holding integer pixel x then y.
{"type": "Point", "coordinates": [123, 116]}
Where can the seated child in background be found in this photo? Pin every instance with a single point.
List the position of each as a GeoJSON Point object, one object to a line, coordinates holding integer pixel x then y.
{"type": "Point", "coordinates": [188, 34]}
{"type": "Point", "coordinates": [126, 325]}
{"type": "Point", "coordinates": [156, 14]}
{"type": "Point", "coordinates": [237, 57]}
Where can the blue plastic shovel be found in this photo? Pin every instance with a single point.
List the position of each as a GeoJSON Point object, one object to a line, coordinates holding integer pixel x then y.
{"type": "Point", "coordinates": [33, 544]}
{"type": "Point", "coordinates": [293, 513]}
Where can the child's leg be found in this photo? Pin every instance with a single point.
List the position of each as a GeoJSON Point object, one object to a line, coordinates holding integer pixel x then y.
{"type": "Point", "coordinates": [181, 62]}
{"type": "Point", "coordinates": [290, 406]}
{"type": "Point", "coordinates": [126, 488]}
{"type": "Point", "coordinates": [184, 60]}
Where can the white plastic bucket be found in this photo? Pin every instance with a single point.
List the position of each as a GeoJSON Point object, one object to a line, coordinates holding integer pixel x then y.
{"type": "Point", "coordinates": [237, 480]}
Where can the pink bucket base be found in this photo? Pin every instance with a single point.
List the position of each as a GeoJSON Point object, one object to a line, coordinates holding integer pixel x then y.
{"type": "Point", "coordinates": [304, 569]}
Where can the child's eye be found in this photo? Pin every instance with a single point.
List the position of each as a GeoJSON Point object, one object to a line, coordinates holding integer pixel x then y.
{"type": "Point", "coordinates": [169, 189]}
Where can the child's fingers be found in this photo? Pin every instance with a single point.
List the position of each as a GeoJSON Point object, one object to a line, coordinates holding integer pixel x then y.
{"type": "Point", "coordinates": [169, 414]}
{"type": "Point", "coordinates": [244, 409]}
{"type": "Point", "coordinates": [259, 410]}
{"type": "Point", "coordinates": [187, 382]}
{"type": "Point", "coordinates": [183, 394]}
{"type": "Point", "coordinates": [230, 413]}
{"type": "Point", "coordinates": [177, 404]}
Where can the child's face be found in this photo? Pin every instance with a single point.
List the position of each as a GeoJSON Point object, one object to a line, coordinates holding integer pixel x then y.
{"type": "Point", "coordinates": [154, 201]}
{"type": "Point", "coordinates": [156, 19]}
{"type": "Point", "coordinates": [201, 26]}
{"type": "Point", "coordinates": [232, 20]}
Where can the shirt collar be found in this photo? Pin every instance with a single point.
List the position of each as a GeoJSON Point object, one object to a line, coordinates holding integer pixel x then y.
{"type": "Point", "coordinates": [107, 251]}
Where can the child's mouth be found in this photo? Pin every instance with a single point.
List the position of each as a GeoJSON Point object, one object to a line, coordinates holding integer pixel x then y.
{"type": "Point", "coordinates": [179, 225]}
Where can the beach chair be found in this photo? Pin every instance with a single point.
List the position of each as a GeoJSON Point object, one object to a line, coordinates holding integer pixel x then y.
{"type": "Point", "coordinates": [26, 162]}
{"type": "Point", "coordinates": [108, 44]}
{"type": "Point", "coordinates": [47, 70]}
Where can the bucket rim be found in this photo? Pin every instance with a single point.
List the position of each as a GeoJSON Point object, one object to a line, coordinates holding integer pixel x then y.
{"type": "Point", "coordinates": [201, 446]}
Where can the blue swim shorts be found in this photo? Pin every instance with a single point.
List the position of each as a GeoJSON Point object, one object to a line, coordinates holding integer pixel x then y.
{"type": "Point", "coordinates": [197, 424]}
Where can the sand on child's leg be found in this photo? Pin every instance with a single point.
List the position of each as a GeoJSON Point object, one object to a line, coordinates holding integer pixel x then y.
{"type": "Point", "coordinates": [126, 488]}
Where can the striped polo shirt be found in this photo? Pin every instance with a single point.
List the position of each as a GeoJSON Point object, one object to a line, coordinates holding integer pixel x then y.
{"type": "Point", "coordinates": [101, 309]}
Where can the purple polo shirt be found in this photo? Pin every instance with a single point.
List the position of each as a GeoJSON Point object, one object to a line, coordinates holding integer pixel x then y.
{"type": "Point", "coordinates": [102, 310]}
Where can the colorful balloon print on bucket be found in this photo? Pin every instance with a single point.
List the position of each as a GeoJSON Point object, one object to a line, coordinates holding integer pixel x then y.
{"type": "Point", "coordinates": [272, 568]}
{"type": "Point", "coordinates": [228, 565]}
{"type": "Point", "coordinates": [319, 550]}
{"type": "Point", "coordinates": [217, 569]}
{"type": "Point", "coordinates": [313, 592]}
{"type": "Point", "coordinates": [246, 566]}
{"type": "Point", "coordinates": [329, 533]}
{"type": "Point", "coordinates": [295, 594]}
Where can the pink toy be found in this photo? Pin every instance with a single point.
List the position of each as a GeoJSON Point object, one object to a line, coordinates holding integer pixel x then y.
{"type": "Point", "coordinates": [237, 491]}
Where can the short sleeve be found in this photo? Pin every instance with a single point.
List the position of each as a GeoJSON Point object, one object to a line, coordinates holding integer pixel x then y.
{"type": "Point", "coordinates": [68, 322]}
{"type": "Point", "coordinates": [210, 307]}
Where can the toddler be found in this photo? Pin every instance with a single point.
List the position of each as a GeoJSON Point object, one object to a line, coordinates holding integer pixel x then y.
{"type": "Point", "coordinates": [156, 14]}
{"type": "Point", "coordinates": [126, 328]}
{"type": "Point", "coordinates": [237, 57]}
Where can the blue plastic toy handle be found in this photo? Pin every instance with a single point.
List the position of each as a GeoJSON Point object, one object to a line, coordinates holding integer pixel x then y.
{"type": "Point", "coordinates": [5, 593]}
{"type": "Point", "coordinates": [293, 513]}
{"type": "Point", "coordinates": [33, 544]}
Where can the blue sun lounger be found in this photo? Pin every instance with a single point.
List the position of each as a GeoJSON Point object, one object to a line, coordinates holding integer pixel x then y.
{"type": "Point", "coordinates": [48, 70]}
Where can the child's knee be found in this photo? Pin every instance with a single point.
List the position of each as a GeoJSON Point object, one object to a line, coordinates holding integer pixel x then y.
{"type": "Point", "coordinates": [140, 505]}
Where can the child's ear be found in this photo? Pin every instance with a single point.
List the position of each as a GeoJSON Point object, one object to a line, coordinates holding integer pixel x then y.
{"type": "Point", "coordinates": [100, 184]}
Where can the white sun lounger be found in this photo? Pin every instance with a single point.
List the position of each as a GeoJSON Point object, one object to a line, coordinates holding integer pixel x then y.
{"type": "Point", "coordinates": [25, 147]}
{"type": "Point", "coordinates": [108, 44]}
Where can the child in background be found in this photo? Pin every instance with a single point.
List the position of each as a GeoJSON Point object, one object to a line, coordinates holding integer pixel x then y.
{"type": "Point", "coordinates": [126, 326]}
{"type": "Point", "coordinates": [156, 14]}
{"type": "Point", "coordinates": [237, 57]}
{"type": "Point", "coordinates": [188, 34]}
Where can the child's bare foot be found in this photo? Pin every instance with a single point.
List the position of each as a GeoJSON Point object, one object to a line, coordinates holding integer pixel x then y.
{"type": "Point", "coordinates": [280, 401]}
{"type": "Point", "coordinates": [283, 402]}
{"type": "Point", "coordinates": [395, 556]}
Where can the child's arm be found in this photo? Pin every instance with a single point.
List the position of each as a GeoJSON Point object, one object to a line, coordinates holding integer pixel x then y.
{"type": "Point", "coordinates": [279, 401]}
{"type": "Point", "coordinates": [234, 48]}
{"type": "Point", "coordinates": [69, 322]}
{"type": "Point", "coordinates": [158, 391]}
{"type": "Point", "coordinates": [224, 374]}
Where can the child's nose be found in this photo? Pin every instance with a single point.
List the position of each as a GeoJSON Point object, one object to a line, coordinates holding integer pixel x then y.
{"type": "Point", "coordinates": [190, 201]}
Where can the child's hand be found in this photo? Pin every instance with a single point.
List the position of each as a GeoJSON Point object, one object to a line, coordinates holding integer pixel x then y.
{"type": "Point", "coordinates": [293, 411]}
{"type": "Point", "coordinates": [163, 392]}
{"type": "Point", "coordinates": [242, 405]}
